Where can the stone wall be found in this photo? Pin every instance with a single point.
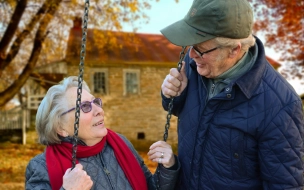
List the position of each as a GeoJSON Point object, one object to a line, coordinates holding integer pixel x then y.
{"type": "Point", "coordinates": [139, 117]}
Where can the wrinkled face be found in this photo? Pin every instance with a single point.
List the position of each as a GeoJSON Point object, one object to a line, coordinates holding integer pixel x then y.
{"type": "Point", "coordinates": [91, 125]}
{"type": "Point", "coordinates": [213, 63]}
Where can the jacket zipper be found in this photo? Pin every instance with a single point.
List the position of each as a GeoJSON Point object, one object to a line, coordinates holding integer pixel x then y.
{"type": "Point", "coordinates": [106, 171]}
{"type": "Point", "coordinates": [212, 88]}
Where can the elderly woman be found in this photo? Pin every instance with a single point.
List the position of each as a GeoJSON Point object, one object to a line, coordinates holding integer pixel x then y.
{"type": "Point", "coordinates": [105, 159]}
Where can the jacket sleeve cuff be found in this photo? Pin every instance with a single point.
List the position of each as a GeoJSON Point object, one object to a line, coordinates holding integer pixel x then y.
{"type": "Point", "coordinates": [173, 169]}
{"type": "Point", "coordinates": [168, 176]}
{"type": "Point", "coordinates": [177, 99]}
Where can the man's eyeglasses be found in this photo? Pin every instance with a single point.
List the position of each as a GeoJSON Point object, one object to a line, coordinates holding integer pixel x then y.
{"type": "Point", "coordinates": [86, 106]}
{"type": "Point", "coordinates": [198, 52]}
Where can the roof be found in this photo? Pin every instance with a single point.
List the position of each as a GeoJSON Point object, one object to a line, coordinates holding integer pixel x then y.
{"type": "Point", "coordinates": [124, 47]}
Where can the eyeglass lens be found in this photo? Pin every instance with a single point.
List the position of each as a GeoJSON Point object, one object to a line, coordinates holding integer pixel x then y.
{"type": "Point", "coordinates": [87, 106]}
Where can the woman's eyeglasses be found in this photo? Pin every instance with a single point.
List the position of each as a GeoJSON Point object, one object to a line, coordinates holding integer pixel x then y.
{"type": "Point", "coordinates": [198, 52]}
{"type": "Point", "coordinates": [86, 106]}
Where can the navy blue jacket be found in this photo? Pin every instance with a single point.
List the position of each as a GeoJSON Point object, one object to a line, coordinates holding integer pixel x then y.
{"type": "Point", "coordinates": [249, 136]}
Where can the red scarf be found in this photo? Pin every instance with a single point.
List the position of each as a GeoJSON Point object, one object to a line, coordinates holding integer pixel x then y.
{"type": "Point", "coordinates": [59, 156]}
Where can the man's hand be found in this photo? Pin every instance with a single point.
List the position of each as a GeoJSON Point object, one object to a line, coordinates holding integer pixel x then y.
{"type": "Point", "coordinates": [175, 82]}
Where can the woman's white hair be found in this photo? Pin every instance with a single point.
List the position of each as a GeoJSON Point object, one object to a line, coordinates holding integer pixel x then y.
{"type": "Point", "coordinates": [246, 43]}
{"type": "Point", "coordinates": [48, 117]}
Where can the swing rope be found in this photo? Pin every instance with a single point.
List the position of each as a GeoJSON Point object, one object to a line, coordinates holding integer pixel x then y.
{"type": "Point", "coordinates": [80, 79]}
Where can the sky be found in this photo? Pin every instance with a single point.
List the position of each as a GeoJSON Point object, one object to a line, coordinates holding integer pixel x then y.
{"type": "Point", "coordinates": [166, 12]}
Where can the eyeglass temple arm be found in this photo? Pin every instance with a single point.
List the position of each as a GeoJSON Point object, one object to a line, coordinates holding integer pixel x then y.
{"type": "Point", "coordinates": [67, 111]}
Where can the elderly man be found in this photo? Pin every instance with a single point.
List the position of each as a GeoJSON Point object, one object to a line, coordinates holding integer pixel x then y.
{"type": "Point", "coordinates": [240, 123]}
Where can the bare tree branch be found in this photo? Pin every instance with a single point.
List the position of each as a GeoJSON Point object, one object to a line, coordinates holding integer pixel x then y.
{"type": "Point", "coordinates": [11, 29]}
{"type": "Point", "coordinates": [39, 39]}
{"type": "Point", "coordinates": [20, 38]}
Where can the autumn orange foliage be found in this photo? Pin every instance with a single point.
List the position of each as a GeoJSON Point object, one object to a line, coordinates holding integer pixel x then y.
{"type": "Point", "coordinates": [282, 23]}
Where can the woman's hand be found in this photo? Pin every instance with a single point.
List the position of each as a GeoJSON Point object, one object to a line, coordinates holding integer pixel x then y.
{"type": "Point", "coordinates": [77, 179]}
{"type": "Point", "coordinates": [162, 153]}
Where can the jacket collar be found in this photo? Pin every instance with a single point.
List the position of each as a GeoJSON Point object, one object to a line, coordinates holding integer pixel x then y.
{"type": "Point", "coordinates": [253, 76]}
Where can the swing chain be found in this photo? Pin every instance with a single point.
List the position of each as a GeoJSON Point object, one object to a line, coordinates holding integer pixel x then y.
{"type": "Point", "coordinates": [170, 106]}
{"type": "Point", "coordinates": [80, 80]}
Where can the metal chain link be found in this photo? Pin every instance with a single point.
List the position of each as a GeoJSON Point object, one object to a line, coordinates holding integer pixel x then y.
{"type": "Point", "coordinates": [170, 106]}
{"type": "Point", "coordinates": [80, 79]}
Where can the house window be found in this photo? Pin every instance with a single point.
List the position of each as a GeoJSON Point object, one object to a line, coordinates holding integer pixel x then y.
{"type": "Point", "coordinates": [131, 81]}
{"type": "Point", "coordinates": [100, 79]}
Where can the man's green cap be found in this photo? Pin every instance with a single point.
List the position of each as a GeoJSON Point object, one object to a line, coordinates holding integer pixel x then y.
{"type": "Point", "coordinates": [208, 19]}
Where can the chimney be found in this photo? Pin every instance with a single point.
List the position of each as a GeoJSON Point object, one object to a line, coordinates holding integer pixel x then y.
{"type": "Point", "coordinates": [77, 23]}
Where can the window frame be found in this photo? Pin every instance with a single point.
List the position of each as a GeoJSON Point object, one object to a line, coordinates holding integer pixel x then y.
{"type": "Point", "coordinates": [100, 70]}
{"type": "Point", "coordinates": [137, 72]}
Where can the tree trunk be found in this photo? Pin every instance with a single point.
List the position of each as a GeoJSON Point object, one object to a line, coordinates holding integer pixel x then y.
{"type": "Point", "coordinates": [13, 89]}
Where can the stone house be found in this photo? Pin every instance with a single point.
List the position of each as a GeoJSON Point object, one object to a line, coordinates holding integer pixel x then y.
{"type": "Point", "coordinates": [126, 76]}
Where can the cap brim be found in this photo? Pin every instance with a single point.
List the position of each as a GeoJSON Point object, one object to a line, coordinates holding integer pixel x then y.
{"type": "Point", "coordinates": [182, 34]}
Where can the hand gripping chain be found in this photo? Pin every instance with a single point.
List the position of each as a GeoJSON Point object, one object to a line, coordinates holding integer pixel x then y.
{"type": "Point", "coordinates": [170, 106]}
{"type": "Point", "coordinates": [167, 126]}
